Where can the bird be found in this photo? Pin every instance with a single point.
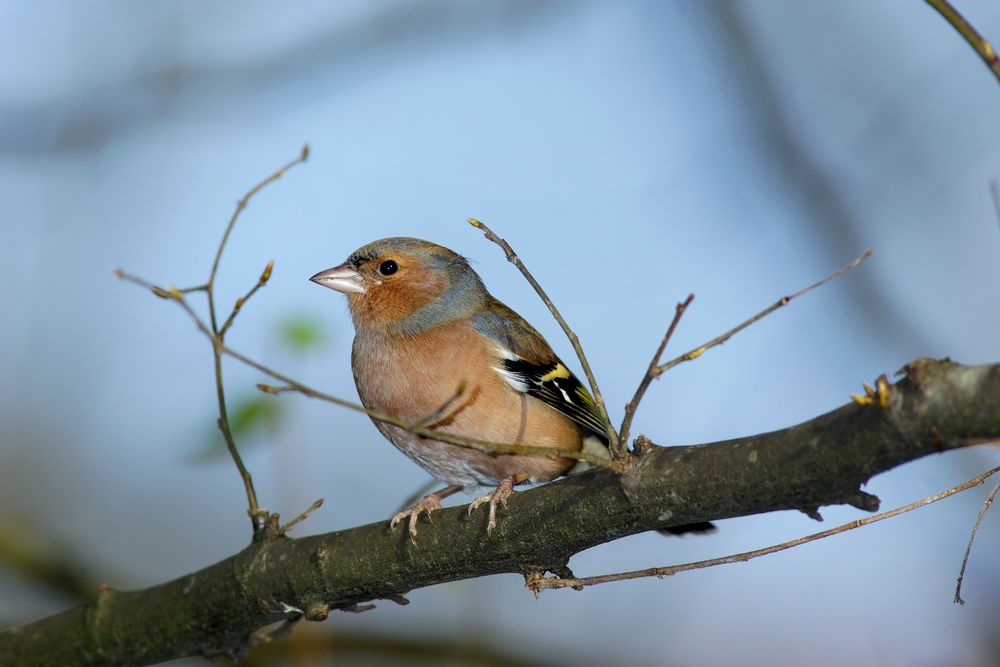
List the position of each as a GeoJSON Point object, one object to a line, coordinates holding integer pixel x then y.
{"type": "Point", "coordinates": [433, 347]}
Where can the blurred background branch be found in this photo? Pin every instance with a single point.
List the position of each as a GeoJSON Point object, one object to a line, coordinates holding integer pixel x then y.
{"type": "Point", "coordinates": [45, 561]}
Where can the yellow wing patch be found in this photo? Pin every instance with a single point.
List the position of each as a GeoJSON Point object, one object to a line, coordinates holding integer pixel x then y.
{"type": "Point", "coordinates": [559, 371]}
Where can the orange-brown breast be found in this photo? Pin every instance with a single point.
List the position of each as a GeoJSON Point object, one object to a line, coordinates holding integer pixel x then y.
{"type": "Point", "coordinates": [413, 377]}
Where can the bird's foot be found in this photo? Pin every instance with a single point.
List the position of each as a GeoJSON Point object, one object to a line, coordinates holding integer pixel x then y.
{"type": "Point", "coordinates": [426, 505]}
{"type": "Point", "coordinates": [496, 497]}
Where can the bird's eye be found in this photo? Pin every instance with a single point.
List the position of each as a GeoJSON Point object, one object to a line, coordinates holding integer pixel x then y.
{"type": "Point", "coordinates": [388, 267]}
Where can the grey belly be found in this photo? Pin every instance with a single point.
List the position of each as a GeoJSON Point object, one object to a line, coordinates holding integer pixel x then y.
{"type": "Point", "coordinates": [442, 460]}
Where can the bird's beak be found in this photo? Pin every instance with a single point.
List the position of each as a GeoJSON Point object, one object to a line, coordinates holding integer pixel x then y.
{"type": "Point", "coordinates": [342, 278]}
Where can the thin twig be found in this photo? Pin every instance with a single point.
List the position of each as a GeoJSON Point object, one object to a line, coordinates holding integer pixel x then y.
{"type": "Point", "coordinates": [633, 405]}
{"type": "Point", "coordinates": [257, 518]}
{"type": "Point", "coordinates": [172, 294]}
{"type": "Point", "coordinates": [300, 518]}
{"type": "Point", "coordinates": [553, 582]}
{"type": "Point", "coordinates": [783, 301]}
{"type": "Point", "coordinates": [574, 341]}
{"type": "Point", "coordinates": [240, 205]}
{"type": "Point", "coordinates": [440, 412]}
{"type": "Point", "coordinates": [240, 302]}
{"type": "Point", "coordinates": [982, 47]}
{"type": "Point", "coordinates": [968, 548]}
{"type": "Point", "coordinates": [411, 427]}
{"type": "Point", "coordinates": [271, 389]}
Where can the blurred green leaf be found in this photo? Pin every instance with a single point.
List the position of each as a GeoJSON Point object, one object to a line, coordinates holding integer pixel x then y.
{"type": "Point", "coordinates": [301, 332]}
{"type": "Point", "coordinates": [253, 413]}
{"type": "Point", "coordinates": [249, 416]}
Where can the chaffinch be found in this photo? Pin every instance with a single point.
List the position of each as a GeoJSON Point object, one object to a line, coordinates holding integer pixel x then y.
{"type": "Point", "coordinates": [424, 326]}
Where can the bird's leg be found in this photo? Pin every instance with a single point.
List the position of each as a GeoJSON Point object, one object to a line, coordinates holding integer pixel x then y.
{"type": "Point", "coordinates": [496, 497]}
{"type": "Point", "coordinates": [426, 505]}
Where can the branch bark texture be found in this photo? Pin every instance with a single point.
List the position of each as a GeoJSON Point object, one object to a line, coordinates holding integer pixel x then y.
{"type": "Point", "coordinates": [938, 406]}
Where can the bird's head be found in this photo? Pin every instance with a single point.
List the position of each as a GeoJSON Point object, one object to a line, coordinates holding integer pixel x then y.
{"type": "Point", "coordinates": [405, 284]}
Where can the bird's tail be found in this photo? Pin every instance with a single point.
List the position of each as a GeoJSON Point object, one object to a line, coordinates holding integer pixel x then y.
{"type": "Point", "coordinates": [592, 444]}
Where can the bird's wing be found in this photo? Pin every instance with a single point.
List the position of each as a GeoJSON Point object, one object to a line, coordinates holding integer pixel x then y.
{"type": "Point", "coordinates": [530, 366]}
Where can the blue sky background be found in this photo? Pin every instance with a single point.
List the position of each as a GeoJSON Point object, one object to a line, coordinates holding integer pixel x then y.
{"type": "Point", "coordinates": [631, 152]}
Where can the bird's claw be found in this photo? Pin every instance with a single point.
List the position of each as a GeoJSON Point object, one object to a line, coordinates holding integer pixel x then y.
{"type": "Point", "coordinates": [426, 505]}
{"type": "Point", "coordinates": [496, 497]}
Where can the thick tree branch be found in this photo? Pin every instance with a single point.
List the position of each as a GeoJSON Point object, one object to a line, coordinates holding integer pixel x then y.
{"type": "Point", "coordinates": [938, 406]}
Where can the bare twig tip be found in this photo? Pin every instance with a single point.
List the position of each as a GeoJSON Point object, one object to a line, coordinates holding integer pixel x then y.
{"type": "Point", "coordinates": [300, 518]}
{"type": "Point", "coordinates": [613, 438]}
{"type": "Point", "coordinates": [783, 301]}
{"type": "Point", "coordinates": [968, 549]}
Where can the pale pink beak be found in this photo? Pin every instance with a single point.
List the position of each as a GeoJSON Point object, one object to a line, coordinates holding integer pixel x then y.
{"type": "Point", "coordinates": [342, 278]}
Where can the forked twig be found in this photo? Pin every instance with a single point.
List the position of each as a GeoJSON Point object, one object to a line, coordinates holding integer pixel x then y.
{"type": "Point", "coordinates": [240, 205]}
{"type": "Point", "coordinates": [573, 339]}
{"type": "Point", "coordinates": [553, 582]}
{"type": "Point", "coordinates": [173, 294]}
{"type": "Point", "coordinates": [640, 391]}
{"type": "Point", "coordinates": [264, 277]}
{"type": "Point", "coordinates": [968, 548]}
{"type": "Point", "coordinates": [216, 334]}
{"type": "Point", "coordinates": [780, 303]}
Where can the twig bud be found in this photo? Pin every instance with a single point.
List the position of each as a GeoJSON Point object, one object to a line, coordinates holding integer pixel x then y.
{"type": "Point", "coordinates": [264, 277]}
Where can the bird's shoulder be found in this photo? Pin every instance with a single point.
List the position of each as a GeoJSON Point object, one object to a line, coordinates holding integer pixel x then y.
{"type": "Point", "coordinates": [528, 365]}
{"type": "Point", "coordinates": [512, 333]}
